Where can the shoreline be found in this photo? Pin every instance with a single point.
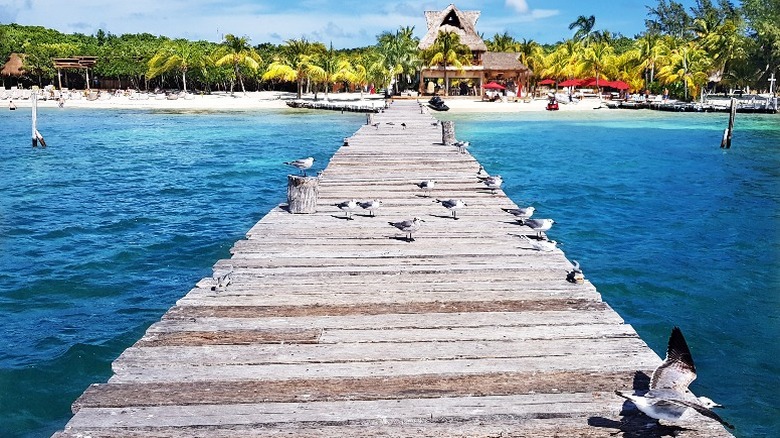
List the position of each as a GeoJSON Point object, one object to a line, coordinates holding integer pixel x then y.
{"type": "Point", "coordinates": [223, 101]}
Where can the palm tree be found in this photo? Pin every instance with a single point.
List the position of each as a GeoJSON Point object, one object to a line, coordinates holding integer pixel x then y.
{"type": "Point", "coordinates": [688, 63]}
{"type": "Point", "coordinates": [597, 58]}
{"type": "Point", "coordinates": [332, 68]}
{"type": "Point", "coordinates": [502, 43]}
{"type": "Point", "coordinates": [236, 52]}
{"type": "Point", "coordinates": [584, 26]}
{"type": "Point", "coordinates": [447, 50]}
{"type": "Point", "coordinates": [649, 48]}
{"type": "Point", "coordinates": [179, 54]}
{"type": "Point", "coordinates": [400, 53]}
{"type": "Point", "coordinates": [296, 63]}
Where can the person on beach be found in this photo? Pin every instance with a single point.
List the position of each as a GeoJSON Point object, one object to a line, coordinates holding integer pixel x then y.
{"type": "Point", "coordinates": [666, 94]}
{"type": "Point", "coordinates": [11, 105]}
{"type": "Point", "coordinates": [60, 102]}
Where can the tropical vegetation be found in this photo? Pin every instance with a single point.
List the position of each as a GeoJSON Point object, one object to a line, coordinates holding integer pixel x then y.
{"type": "Point", "coordinates": [713, 46]}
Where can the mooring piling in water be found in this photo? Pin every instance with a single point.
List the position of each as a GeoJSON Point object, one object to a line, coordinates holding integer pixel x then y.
{"type": "Point", "coordinates": [727, 134]}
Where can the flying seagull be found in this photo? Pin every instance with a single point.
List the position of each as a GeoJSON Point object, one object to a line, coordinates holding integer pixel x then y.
{"type": "Point", "coordinates": [426, 186]}
{"type": "Point", "coordinates": [408, 226]}
{"type": "Point", "coordinates": [539, 225]}
{"type": "Point", "coordinates": [348, 207]}
{"type": "Point", "coordinates": [521, 214]}
{"type": "Point", "coordinates": [303, 164]}
{"type": "Point", "coordinates": [453, 205]}
{"type": "Point", "coordinates": [371, 205]}
{"type": "Point", "coordinates": [669, 396]}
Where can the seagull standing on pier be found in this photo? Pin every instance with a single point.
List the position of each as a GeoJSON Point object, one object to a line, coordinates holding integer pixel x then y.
{"type": "Point", "coordinates": [453, 205]}
{"type": "Point", "coordinates": [348, 207]}
{"type": "Point", "coordinates": [493, 182]}
{"type": "Point", "coordinates": [521, 214]}
{"type": "Point", "coordinates": [408, 226]}
{"type": "Point", "coordinates": [669, 396]}
{"type": "Point", "coordinates": [541, 245]}
{"type": "Point", "coordinates": [540, 225]}
{"type": "Point", "coordinates": [462, 145]}
{"type": "Point", "coordinates": [303, 164]}
{"type": "Point", "coordinates": [371, 206]}
{"type": "Point", "coordinates": [482, 174]}
{"type": "Point", "coordinates": [426, 186]}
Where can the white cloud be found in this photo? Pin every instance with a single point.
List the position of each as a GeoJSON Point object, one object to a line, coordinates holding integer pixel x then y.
{"type": "Point", "coordinates": [520, 6]}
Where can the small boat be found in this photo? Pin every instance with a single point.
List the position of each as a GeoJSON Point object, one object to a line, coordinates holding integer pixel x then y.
{"type": "Point", "coordinates": [437, 104]}
{"type": "Point", "coordinates": [552, 104]}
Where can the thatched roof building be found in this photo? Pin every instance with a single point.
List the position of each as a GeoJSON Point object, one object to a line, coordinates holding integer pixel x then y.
{"type": "Point", "coordinates": [14, 66]}
{"type": "Point", "coordinates": [485, 66]}
{"type": "Point", "coordinates": [452, 19]}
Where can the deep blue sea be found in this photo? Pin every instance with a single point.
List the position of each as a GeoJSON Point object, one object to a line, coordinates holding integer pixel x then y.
{"type": "Point", "coordinates": [101, 232]}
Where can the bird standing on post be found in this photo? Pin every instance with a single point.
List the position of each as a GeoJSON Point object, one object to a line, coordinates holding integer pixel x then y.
{"type": "Point", "coordinates": [303, 164]}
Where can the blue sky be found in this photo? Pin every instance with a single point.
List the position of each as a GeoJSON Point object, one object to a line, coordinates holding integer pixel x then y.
{"type": "Point", "coordinates": [345, 23]}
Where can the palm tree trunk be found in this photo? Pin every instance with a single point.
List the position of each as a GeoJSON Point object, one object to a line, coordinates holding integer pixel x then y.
{"type": "Point", "coordinates": [184, 79]}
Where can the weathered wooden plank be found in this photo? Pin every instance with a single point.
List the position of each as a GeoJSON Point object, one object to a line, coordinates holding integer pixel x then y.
{"type": "Point", "coordinates": [348, 389]}
{"type": "Point", "coordinates": [143, 355]}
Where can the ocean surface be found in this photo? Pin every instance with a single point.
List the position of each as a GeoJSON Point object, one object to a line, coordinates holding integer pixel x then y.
{"type": "Point", "coordinates": [101, 232]}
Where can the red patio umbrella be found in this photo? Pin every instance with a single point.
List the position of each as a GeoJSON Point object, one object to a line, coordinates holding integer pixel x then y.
{"type": "Point", "coordinates": [620, 85]}
{"type": "Point", "coordinates": [494, 86]}
{"type": "Point", "coordinates": [591, 82]}
{"type": "Point", "coordinates": [570, 83]}
{"type": "Point", "coordinates": [547, 82]}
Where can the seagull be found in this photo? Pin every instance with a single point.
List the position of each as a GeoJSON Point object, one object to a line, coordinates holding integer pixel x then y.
{"type": "Point", "coordinates": [375, 125]}
{"type": "Point", "coordinates": [493, 182]}
{"type": "Point", "coordinates": [575, 275]}
{"type": "Point", "coordinates": [426, 186]}
{"type": "Point", "coordinates": [436, 123]}
{"type": "Point", "coordinates": [391, 123]}
{"type": "Point", "coordinates": [223, 281]}
{"type": "Point", "coordinates": [371, 206]}
{"type": "Point", "coordinates": [462, 145]}
{"type": "Point", "coordinates": [521, 214]}
{"type": "Point", "coordinates": [482, 174]}
{"type": "Point", "coordinates": [541, 245]}
{"type": "Point", "coordinates": [403, 125]}
{"type": "Point", "coordinates": [540, 225]}
{"type": "Point", "coordinates": [408, 226]}
{"type": "Point", "coordinates": [669, 396]}
{"type": "Point", "coordinates": [348, 207]}
{"type": "Point", "coordinates": [302, 164]}
{"type": "Point", "coordinates": [453, 205]}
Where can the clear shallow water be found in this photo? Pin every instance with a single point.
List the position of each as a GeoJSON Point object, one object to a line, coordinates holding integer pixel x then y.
{"type": "Point", "coordinates": [118, 218]}
{"type": "Point", "coordinates": [104, 230]}
{"type": "Point", "coordinates": [670, 228]}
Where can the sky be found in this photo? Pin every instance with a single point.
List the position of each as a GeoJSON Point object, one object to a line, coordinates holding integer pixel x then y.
{"type": "Point", "coordinates": [344, 23]}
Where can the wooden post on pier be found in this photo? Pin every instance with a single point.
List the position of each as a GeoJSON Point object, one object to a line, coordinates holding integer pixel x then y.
{"type": "Point", "coordinates": [369, 119]}
{"type": "Point", "coordinates": [302, 194]}
{"type": "Point", "coordinates": [447, 132]}
{"type": "Point", "coordinates": [726, 141]}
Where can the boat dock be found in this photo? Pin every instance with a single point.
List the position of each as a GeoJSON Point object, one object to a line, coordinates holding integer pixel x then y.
{"type": "Point", "coordinates": [332, 327]}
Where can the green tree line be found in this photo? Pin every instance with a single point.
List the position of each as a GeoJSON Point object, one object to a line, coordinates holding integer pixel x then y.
{"type": "Point", "coordinates": [714, 44]}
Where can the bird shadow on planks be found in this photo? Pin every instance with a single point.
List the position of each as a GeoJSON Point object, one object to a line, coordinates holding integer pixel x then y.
{"type": "Point", "coordinates": [633, 423]}
{"type": "Point", "coordinates": [444, 216]}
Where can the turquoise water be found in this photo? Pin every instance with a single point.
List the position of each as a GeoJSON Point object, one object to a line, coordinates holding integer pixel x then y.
{"type": "Point", "coordinates": [104, 230]}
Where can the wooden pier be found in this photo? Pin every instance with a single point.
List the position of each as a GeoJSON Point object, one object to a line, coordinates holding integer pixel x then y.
{"type": "Point", "coordinates": [340, 328]}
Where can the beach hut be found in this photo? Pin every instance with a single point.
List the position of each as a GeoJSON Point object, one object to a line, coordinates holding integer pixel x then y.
{"type": "Point", "coordinates": [12, 67]}
{"type": "Point", "coordinates": [485, 66]}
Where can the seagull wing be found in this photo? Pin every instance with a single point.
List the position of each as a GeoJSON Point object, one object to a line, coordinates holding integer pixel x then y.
{"type": "Point", "coordinates": [703, 410]}
{"type": "Point", "coordinates": [677, 371]}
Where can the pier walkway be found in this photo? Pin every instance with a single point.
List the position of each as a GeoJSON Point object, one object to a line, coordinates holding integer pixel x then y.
{"type": "Point", "coordinates": [341, 328]}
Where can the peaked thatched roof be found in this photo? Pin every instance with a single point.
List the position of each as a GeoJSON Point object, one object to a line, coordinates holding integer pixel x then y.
{"type": "Point", "coordinates": [14, 66]}
{"type": "Point", "coordinates": [452, 19]}
{"type": "Point", "coordinates": [502, 61]}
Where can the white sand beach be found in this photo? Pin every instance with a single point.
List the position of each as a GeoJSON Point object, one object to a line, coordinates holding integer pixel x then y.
{"type": "Point", "coordinates": [222, 101]}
